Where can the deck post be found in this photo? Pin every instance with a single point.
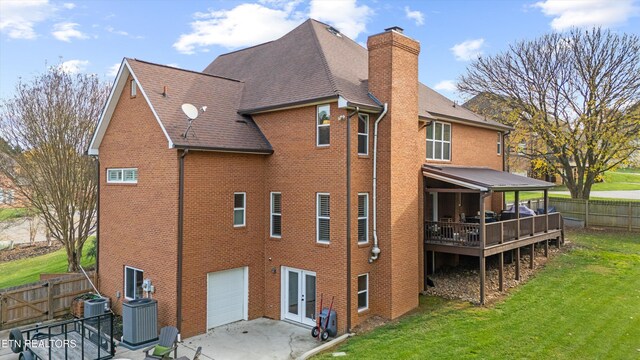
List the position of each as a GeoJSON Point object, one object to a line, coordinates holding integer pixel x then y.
{"type": "Point", "coordinates": [482, 277]}
{"type": "Point", "coordinates": [546, 248]}
{"type": "Point", "coordinates": [533, 252]}
{"type": "Point", "coordinates": [517, 212]}
{"type": "Point", "coordinates": [501, 271]}
{"type": "Point", "coordinates": [483, 241]}
{"type": "Point", "coordinates": [546, 210]}
{"type": "Point", "coordinates": [517, 264]}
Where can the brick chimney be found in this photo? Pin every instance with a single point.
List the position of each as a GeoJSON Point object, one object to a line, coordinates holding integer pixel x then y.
{"type": "Point", "coordinates": [393, 79]}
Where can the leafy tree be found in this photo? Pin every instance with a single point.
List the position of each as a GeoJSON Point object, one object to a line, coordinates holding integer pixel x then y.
{"type": "Point", "coordinates": [570, 97]}
{"type": "Point", "coordinates": [51, 119]}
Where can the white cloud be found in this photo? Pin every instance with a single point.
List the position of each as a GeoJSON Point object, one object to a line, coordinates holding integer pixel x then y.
{"type": "Point", "coordinates": [66, 31]}
{"type": "Point", "coordinates": [244, 25]}
{"type": "Point", "coordinates": [446, 85]}
{"type": "Point", "coordinates": [18, 18]}
{"type": "Point", "coordinates": [112, 30]}
{"type": "Point", "coordinates": [74, 66]}
{"type": "Point", "coordinates": [254, 23]}
{"type": "Point", "coordinates": [349, 18]}
{"type": "Point", "coordinates": [414, 15]}
{"type": "Point", "coordinates": [113, 70]}
{"type": "Point", "coordinates": [69, 6]}
{"type": "Point", "coordinates": [587, 13]}
{"type": "Point", "coordinates": [468, 50]}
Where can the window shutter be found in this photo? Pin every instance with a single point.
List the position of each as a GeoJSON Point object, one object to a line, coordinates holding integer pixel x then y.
{"type": "Point", "coordinates": [324, 222]}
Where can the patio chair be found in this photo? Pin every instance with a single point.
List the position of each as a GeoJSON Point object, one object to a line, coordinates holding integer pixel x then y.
{"type": "Point", "coordinates": [168, 341]}
{"type": "Point", "coordinates": [195, 357]}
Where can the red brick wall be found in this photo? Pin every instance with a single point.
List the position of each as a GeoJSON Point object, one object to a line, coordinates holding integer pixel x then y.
{"type": "Point", "coordinates": [138, 223]}
{"type": "Point", "coordinates": [211, 242]}
{"type": "Point", "coordinates": [299, 169]}
{"type": "Point", "coordinates": [393, 78]}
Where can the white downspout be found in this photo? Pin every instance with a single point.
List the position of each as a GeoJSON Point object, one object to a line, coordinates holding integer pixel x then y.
{"type": "Point", "coordinates": [375, 251]}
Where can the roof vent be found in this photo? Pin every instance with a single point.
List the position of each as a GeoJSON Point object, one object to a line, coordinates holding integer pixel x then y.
{"type": "Point", "coordinates": [334, 31]}
{"type": "Point", "coordinates": [397, 29]}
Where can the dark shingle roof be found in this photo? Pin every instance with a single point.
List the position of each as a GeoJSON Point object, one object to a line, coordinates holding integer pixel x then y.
{"type": "Point", "coordinates": [220, 127]}
{"type": "Point", "coordinates": [486, 178]}
{"type": "Point", "coordinates": [433, 104]}
{"type": "Point", "coordinates": [307, 63]}
{"type": "Point", "coordinates": [312, 63]}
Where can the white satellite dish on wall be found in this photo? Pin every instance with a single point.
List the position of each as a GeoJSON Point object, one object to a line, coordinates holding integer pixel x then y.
{"type": "Point", "coordinates": [190, 110]}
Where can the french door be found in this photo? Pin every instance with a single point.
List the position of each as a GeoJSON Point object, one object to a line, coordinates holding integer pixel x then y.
{"type": "Point", "coordinates": [299, 295]}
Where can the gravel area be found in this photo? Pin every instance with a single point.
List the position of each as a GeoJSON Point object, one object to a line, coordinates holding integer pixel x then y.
{"type": "Point", "coordinates": [463, 281]}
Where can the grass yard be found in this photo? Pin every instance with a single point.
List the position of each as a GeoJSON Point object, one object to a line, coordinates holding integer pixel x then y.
{"type": "Point", "coordinates": [12, 213]}
{"type": "Point", "coordinates": [24, 271]}
{"type": "Point", "coordinates": [585, 304]}
{"type": "Point", "coordinates": [627, 180]}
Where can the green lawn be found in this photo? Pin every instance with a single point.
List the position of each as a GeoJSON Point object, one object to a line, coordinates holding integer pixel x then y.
{"type": "Point", "coordinates": [583, 305]}
{"type": "Point", "coordinates": [612, 181]}
{"type": "Point", "coordinates": [12, 213]}
{"type": "Point", "coordinates": [28, 270]}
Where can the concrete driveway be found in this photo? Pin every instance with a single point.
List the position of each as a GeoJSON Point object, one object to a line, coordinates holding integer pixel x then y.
{"type": "Point", "coordinates": [255, 339]}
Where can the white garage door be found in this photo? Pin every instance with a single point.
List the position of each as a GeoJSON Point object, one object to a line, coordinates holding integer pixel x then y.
{"type": "Point", "coordinates": [227, 296]}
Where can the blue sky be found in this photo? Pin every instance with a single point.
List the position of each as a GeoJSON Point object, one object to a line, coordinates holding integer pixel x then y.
{"type": "Point", "coordinates": [93, 36]}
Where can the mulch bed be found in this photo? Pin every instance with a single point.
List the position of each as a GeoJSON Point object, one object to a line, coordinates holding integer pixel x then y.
{"type": "Point", "coordinates": [463, 282]}
{"type": "Point", "coordinates": [23, 251]}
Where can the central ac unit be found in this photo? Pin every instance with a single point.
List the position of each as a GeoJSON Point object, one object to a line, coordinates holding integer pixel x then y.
{"type": "Point", "coordinates": [139, 323]}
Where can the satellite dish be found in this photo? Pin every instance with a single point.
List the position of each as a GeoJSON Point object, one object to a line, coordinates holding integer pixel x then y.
{"type": "Point", "coordinates": [190, 110]}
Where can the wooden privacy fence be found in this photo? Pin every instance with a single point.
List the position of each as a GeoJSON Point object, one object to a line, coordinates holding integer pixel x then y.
{"type": "Point", "coordinates": [44, 300]}
{"type": "Point", "coordinates": [622, 215]}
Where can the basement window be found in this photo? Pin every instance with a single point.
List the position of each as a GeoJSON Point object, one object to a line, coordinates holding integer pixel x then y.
{"type": "Point", "coordinates": [363, 292]}
{"type": "Point", "coordinates": [133, 283]}
{"type": "Point", "coordinates": [122, 176]}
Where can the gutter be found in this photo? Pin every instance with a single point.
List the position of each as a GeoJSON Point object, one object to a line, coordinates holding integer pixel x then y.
{"type": "Point", "coordinates": [223, 149]}
{"type": "Point", "coordinates": [180, 238]}
{"type": "Point", "coordinates": [98, 223]}
{"type": "Point", "coordinates": [355, 112]}
{"type": "Point", "coordinates": [375, 251]}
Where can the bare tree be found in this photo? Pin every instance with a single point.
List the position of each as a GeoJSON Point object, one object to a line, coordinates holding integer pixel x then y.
{"type": "Point", "coordinates": [570, 97]}
{"type": "Point", "coordinates": [51, 120]}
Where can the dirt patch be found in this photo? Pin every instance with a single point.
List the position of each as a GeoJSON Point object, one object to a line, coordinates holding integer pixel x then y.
{"type": "Point", "coordinates": [370, 324]}
{"type": "Point", "coordinates": [463, 282]}
{"type": "Point", "coordinates": [23, 251]}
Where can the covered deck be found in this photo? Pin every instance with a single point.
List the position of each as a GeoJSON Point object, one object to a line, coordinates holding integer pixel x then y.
{"type": "Point", "coordinates": [453, 193]}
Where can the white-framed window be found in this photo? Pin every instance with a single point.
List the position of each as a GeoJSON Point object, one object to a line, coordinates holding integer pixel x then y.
{"type": "Point", "coordinates": [239, 209]}
{"type": "Point", "coordinates": [276, 214]}
{"type": "Point", "coordinates": [323, 218]}
{"type": "Point", "coordinates": [363, 134]}
{"type": "Point", "coordinates": [363, 218]}
{"type": "Point", "coordinates": [439, 141]}
{"type": "Point", "coordinates": [363, 292]}
{"type": "Point", "coordinates": [499, 143]}
{"type": "Point", "coordinates": [134, 88]}
{"type": "Point", "coordinates": [133, 283]}
{"type": "Point", "coordinates": [323, 122]}
{"type": "Point", "coordinates": [122, 176]}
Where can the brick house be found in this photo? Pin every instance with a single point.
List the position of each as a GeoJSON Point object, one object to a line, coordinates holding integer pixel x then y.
{"type": "Point", "coordinates": [267, 199]}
